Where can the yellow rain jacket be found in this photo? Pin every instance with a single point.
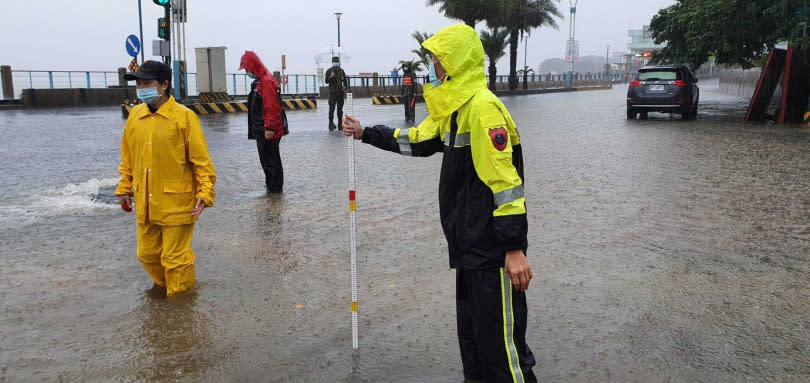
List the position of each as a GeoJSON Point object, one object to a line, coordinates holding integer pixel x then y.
{"type": "Point", "coordinates": [481, 200]}
{"type": "Point", "coordinates": [165, 164]}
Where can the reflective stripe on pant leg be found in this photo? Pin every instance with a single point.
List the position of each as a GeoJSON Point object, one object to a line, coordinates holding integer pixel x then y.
{"type": "Point", "coordinates": [508, 329]}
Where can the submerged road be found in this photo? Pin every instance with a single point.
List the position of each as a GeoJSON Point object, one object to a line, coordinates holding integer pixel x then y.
{"type": "Point", "coordinates": [663, 251]}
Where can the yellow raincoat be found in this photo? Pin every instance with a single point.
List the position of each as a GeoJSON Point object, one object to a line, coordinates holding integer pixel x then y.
{"type": "Point", "coordinates": [165, 165]}
{"type": "Point", "coordinates": [481, 204]}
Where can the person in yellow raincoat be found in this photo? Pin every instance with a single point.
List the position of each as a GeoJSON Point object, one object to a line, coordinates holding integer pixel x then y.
{"type": "Point", "coordinates": [166, 167]}
{"type": "Point", "coordinates": [481, 203]}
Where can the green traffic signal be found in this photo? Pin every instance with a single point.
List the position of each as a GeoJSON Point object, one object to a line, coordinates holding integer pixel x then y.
{"type": "Point", "coordinates": [162, 3]}
{"type": "Point", "coordinates": [163, 28]}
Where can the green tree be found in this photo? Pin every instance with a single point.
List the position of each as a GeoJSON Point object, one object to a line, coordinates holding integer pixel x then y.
{"type": "Point", "coordinates": [416, 65]}
{"type": "Point", "coordinates": [423, 53]}
{"type": "Point", "coordinates": [494, 42]}
{"type": "Point", "coordinates": [736, 32]}
{"type": "Point", "coordinates": [468, 11]}
{"type": "Point", "coordinates": [525, 73]}
{"type": "Point", "coordinates": [521, 17]}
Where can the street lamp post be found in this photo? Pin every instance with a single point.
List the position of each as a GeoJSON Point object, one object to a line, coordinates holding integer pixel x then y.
{"type": "Point", "coordinates": [572, 36]}
{"type": "Point", "coordinates": [337, 15]}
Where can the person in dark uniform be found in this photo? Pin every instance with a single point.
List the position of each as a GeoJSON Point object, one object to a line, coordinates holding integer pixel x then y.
{"type": "Point", "coordinates": [481, 203]}
{"type": "Point", "coordinates": [336, 78]}
{"type": "Point", "coordinates": [409, 92]}
{"type": "Point", "coordinates": [265, 124]}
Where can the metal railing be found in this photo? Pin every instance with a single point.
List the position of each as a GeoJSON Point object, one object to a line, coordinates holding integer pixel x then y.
{"type": "Point", "coordinates": [392, 85]}
{"type": "Point", "coordinates": [238, 84]}
{"type": "Point", "coordinates": [43, 79]}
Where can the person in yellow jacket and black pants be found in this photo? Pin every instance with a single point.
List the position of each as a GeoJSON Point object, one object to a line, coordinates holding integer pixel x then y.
{"type": "Point", "coordinates": [481, 202]}
{"type": "Point", "coordinates": [166, 167]}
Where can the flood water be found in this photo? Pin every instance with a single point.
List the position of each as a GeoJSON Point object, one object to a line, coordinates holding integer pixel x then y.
{"type": "Point", "coordinates": [662, 250]}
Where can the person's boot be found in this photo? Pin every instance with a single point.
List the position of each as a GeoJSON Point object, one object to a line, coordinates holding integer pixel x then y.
{"type": "Point", "coordinates": [331, 126]}
{"type": "Point", "coordinates": [340, 123]}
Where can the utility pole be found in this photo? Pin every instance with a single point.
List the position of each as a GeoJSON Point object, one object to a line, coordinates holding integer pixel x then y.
{"type": "Point", "coordinates": [140, 23]}
{"type": "Point", "coordinates": [338, 14]}
{"type": "Point", "coordinates": [572, 45]}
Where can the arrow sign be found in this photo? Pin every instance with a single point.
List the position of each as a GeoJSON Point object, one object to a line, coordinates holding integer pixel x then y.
{"type": "Point", "coordinates": [133, 45]}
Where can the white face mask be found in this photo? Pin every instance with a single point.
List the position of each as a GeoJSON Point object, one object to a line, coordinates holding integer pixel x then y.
{"type": "Point", "coordinates": [335, 65]}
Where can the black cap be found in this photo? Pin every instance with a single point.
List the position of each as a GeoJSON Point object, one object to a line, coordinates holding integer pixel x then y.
{"type": "Point", "coordinates": [151, 70]}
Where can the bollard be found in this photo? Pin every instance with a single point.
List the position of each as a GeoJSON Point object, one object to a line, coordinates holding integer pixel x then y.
{"type": "Point", "coordinates": [121, 80]}
{"type": "Point", "coordinates": [8, 85]}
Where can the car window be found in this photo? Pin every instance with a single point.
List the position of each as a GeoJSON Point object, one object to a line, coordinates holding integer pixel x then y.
{"type": "Point", "coordinates": [653, 75]}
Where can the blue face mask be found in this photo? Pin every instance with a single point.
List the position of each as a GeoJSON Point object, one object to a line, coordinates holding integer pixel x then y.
{"type": "Point", "coordinates": [434, 80]}
{"type": "Point", "coordinates": [148, 95]}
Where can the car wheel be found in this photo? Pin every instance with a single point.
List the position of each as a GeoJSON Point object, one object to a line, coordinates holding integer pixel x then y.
{"type": "Point", "coordinates": [686, 113]}
{"type": "Point", "coordinates": [695, 110]}
{"type": "Point", "coordinates": [631, 114]}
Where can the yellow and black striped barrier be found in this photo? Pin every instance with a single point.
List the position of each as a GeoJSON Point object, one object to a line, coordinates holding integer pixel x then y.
{"type": "Point", "coordinates": [299, 104]}
{"type": "Point", "coordinates": [231, 106]}
{"type": "Point", "coordinates": [218, 107]}
{"type": "Point", "coordinates": [214, 97]}
{"type": "Point", "coordinates": [385, 100]}
{"type": "Point", "coordinates": [594, 87]}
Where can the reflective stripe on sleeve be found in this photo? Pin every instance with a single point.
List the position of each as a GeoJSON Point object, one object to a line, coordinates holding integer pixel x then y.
{"type": "Point", "coordinates": [404, 142]}
{"type": "Point", "coordinates": [509, 195]}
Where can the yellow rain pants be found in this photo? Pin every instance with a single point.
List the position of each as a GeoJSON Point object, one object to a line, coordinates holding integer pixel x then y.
{"type": "Point", "coordinates": [165, 252]}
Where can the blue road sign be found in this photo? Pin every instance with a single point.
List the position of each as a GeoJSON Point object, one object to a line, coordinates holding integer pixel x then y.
{"type": "Point", "coordinates": [133, 45]}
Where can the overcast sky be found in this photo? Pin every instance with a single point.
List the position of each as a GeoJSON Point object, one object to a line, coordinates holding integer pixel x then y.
{"type": "Point", "coordinates": [90, 35]}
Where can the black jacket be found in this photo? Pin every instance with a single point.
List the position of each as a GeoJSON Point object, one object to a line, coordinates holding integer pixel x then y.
{"type": "Point", "coordinates": [255, 106]}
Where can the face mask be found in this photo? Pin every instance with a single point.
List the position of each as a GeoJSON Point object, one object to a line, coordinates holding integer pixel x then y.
{"type": "Point", "coordinates": [335, 65]}
{"type": "Point", "coordinates": [434, 80]}
{"type": "Point", "coordinates": [148, 95]}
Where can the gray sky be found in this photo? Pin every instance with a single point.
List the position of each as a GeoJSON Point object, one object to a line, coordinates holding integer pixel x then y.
{"type": "Point", "coordinates": [90, 35]}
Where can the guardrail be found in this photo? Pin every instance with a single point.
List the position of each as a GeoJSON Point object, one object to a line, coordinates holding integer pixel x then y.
{"type": "Point", "coordinates": [238, 84]}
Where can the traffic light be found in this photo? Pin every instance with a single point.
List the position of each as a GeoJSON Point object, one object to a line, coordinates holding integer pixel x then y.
{"type": "Point", "coordinates": [163, 27]}
{"type": "Point", "coordinates": [162, 3]}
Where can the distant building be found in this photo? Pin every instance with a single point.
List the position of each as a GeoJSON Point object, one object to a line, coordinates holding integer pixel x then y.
{"type": "Point", "coordinates": [641, 47]}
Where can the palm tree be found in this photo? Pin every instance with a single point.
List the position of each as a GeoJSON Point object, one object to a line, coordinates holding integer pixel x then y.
{"type": "Point", "coordinates": [520, 17]}
{"type": "Point", "coordinates": [525, 73]}
{"type": "Point", "coordinates": [416, 65]}
{"type": "Point", "coordinates": [468, 11]}
{"type": "Point", "coordinates": [423, 53]}
{"type": "Point", "coordinates": [494, 43]}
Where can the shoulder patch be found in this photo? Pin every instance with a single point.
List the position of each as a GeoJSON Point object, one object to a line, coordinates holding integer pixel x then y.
{"type": "Point", "coordinates": [499, 138]}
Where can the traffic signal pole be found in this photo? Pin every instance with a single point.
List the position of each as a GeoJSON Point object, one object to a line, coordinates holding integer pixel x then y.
{"type": "Point", "coordinates": [166, 11]}
{"type": "Point", "coordinates": [140, 24]}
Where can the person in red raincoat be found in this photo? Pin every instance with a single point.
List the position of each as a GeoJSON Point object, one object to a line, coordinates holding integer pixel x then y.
{"type": "Point", "coordinates": [265, 124]}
